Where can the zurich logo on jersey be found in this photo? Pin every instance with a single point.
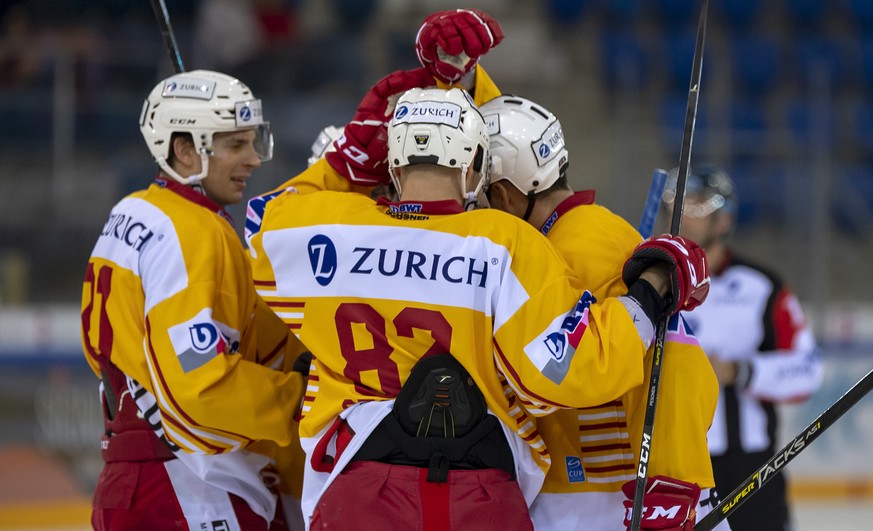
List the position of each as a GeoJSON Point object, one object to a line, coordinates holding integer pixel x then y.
{"type": "Point", "coordinates": [203, 337]}
{"type": "Point", "coordinates": [401, 111]}
{"type": "Point", "coordinates": [575, 472]}
{"type": "Point", "coordinates": [322, 259]}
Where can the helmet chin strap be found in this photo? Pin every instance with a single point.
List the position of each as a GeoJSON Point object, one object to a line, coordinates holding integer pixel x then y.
{"type": "Point", "coordinates": [396, 181]}
{"type": "Point", "coordinates": [471, 199]}
{"type": "Point", "coordinates": [190, 180]}
{"type": "Point", "coordinates": [531, 200]}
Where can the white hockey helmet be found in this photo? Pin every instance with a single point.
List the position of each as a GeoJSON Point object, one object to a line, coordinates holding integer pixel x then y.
{"type": "Point", "coordinates": [527, 143]}
{"type": "Point", "coordinates": [324, 143]}
{"type": "Point", "coordinates": [442, 127]}
{"type": "Point", "coordinates": [201, 103]}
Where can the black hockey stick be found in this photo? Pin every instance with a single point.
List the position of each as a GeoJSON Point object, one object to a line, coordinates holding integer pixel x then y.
{"type": "Point", "coordinates": [775, 464]}
{"type": "Point", "coordinates": [163, 18]}
{"type": "Point", "coordinates": [678, 205]}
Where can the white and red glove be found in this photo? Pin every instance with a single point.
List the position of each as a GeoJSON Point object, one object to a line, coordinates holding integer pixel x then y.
{"type": "Point", "coordinates": [668, 505]}
{"type": "Point", "coordinates": [688, 269]}
{"type": "Point", "coordinates": [361, 154]}
{"type": "Point", "coordinates": [449, 43]}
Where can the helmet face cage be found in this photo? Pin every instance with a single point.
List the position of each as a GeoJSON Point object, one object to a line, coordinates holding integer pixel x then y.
{"type": "Point", "coordinates": [201, 103]}
{"type": "Point", "coordinates": [324, 143]}
{"type": "Point", "coordinates": [526, 143]}
{"type": "Point", "coordinates": [710, 186]}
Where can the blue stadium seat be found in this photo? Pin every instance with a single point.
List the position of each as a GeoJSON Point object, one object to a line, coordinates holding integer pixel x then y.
{"type": "Point", "coordinates": [567, 12]}
{"type": "Point", "coordinates": [865, 51]}
{"type": "Point", "coordinates": [748, 115]}
{"type": "Point", "coordinates": [678, 57]}
{"type": "Point", "coordinates": [806, 13]}
{"type": "Point", "coordinates": [675, 13]}
{"type": "Point", "coordinates": [744, 175]}
{"type": "Point", "coordinates": [672, 108]}
{"type": "Point", "coordinates": [623, 59]}
{"type": "Point", "coordinates": [760, 187]}
{"type": "Point", "coordinates": [820, 56]}
{"type": "Point", "coordinates": [622, 11]}
{"type": "Point", "coordinates": [861, 13]}
{"type": "Point", "coordinates": [852, 199]}
{"type": "Point", "coordinates": [738, 13]}
{"type": "Point", "coordinates": [861, 125]}
{"type": "Point", "coordinates": [800, 117]}
{"type": "Point", "coordinates": [756, 62]}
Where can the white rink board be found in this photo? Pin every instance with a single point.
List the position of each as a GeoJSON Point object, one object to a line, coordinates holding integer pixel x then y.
{"type": "Point", "coordinates": [845, 449]}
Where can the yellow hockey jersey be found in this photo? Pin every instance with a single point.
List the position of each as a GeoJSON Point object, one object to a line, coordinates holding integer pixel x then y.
{"type": "Point", "coordinates": [371, 288]}
{"type": "Point", "coordinates": [595, 449]}
{"type": "Point", "coordinates": [168, 299]}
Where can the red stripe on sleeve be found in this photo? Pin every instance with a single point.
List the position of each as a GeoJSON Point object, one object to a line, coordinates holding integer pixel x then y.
{"type": "Point", "coordinates": [787, 320]}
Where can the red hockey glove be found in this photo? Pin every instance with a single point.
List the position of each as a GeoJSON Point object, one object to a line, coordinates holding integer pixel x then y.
{"type": "Point", "coordinates": [668, 504]}
{"type": "Point", "coordinates": [449, 43]}
{"type": "Point", "coordinates": [689, 270]}
{"type": "Point", "coordinates": [361, 154]}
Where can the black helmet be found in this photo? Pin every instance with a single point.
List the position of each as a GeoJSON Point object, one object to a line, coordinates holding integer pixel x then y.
{"type": "Point", "coordinates": [708, 184]}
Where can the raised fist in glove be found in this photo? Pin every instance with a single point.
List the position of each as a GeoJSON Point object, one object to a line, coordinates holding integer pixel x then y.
{"type": "Point", "coordinates": [685, 263]}
{"type": "Point", "coordinates": [361, 154]}
{"type": "Point", "coordinates": [449, 43]}
{"type": "Point", "coordinates": [668, 504]}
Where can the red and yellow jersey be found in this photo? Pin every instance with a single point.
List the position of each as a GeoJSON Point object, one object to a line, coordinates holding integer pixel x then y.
{"type": "Point", "coordinates": [372, 288]}
{"type": "Point", "coordinates": [595, 449]}
{"type": "Point", "coordinates": [168, 299]}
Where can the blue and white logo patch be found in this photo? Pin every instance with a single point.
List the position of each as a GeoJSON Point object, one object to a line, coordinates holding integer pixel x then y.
{"type": "Point", "coordinates": [183, 86]}
{"type": "Point", "coordinates": [200, 339]}
{"type": "Point", "coordinates": [548, 145]}
{"type": "Point", "coordinates": [428, 112]}
{"type": "Point", "coordinates": [248, 113]}
{"type": "Point", "coordinates": [322, 259]}
{"type": "Point", "coordinates": [203, 337]}
{"type": "Point", "coordinates": [575, 471]}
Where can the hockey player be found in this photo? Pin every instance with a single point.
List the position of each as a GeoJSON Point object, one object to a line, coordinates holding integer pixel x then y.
{"type": "Point", "coordinates": [435, 331]}
{"type": "Point", "coordinates": [594, 450]}
{"type": "Point", "coordinates": [760, 345]}
{"type": "Point", "coordinates": [196, 372]}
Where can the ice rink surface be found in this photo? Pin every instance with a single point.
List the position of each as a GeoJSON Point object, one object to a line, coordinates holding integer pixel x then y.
{"type": "Point", "coordinates": [848, 515]}
{"type": "Point", "coordinates": [810, 516]}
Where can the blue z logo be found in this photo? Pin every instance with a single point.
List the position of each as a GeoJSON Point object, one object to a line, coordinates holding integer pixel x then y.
{"type": "Point", "coordinates": [322, 259]}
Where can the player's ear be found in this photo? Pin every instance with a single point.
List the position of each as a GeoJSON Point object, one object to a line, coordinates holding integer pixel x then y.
{"type": "Point", "coordinates": [499, 194]}
{"type": "Point", "coordinates": [184, 151]}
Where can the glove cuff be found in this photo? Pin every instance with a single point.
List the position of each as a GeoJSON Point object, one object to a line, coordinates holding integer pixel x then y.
{"type": "Point", "coordinates": [654, 306]}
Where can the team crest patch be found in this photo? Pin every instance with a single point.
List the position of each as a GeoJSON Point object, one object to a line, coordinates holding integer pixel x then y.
{"type": "Point", "coordinates": [575, 472]}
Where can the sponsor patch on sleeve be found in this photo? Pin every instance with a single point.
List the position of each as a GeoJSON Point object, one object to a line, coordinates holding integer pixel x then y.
{"type": "Point", "coordinates": [200, 339]}
{"type": "Point", "coordinates": [553, 350]}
